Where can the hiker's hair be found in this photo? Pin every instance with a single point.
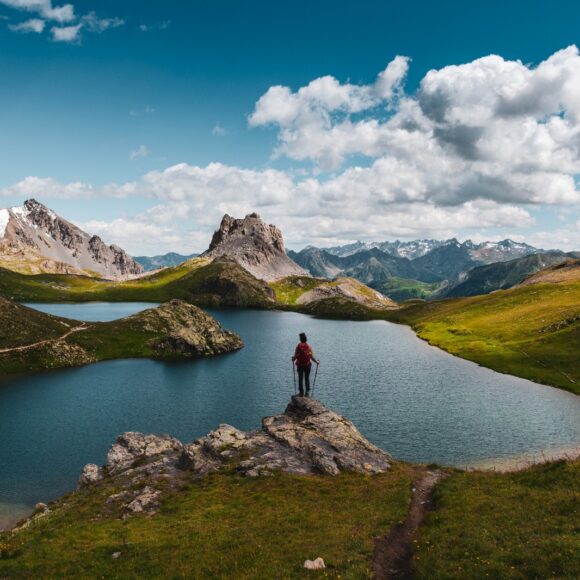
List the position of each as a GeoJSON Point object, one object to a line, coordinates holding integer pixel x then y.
{"type": "Point", "coordinates": [303, 337]}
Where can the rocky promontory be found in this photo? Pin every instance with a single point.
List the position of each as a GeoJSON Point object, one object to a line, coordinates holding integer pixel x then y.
{"type": "Point", "coordinates": [307, 439]}
{"type": "Point", "coordinates": [255, 245]}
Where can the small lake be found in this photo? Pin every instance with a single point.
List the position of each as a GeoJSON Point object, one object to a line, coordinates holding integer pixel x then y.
{"type": "Point", "coordinates": [417, 402]}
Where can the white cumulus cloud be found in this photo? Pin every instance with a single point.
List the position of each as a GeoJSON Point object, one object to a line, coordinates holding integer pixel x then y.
{"type": "Point", "coordinates": [33, 25]}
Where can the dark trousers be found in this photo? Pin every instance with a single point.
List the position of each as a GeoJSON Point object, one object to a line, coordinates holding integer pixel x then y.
{"type": "Point", "coordinates": [303, 374]}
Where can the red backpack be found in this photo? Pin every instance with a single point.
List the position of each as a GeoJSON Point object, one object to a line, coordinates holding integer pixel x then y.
{"type": "Point", "coordinates": [303, 355]}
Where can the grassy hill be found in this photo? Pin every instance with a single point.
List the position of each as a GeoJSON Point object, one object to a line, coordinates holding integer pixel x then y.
{"type": "Point", "coordinates": [218, 283]}
{"type": "Point", "coordinates": [532, 331]}
{"type": "Point", "coordinates": [32, 341]}
{"type": "Point", "coordinates": [516, 525]}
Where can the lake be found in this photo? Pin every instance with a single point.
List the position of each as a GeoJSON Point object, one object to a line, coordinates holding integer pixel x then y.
{"type": "Point", "coordinates": [416, 401]}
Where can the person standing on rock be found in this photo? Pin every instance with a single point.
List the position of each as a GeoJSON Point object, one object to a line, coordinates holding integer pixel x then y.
{"type": "Point", "coordinates": [303, 357]}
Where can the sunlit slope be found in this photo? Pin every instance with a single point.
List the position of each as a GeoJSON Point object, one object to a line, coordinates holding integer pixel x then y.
{"type": "Point", "coordinates": [217, 283]}
{"type": "Point", "coordinates": [532, 331]}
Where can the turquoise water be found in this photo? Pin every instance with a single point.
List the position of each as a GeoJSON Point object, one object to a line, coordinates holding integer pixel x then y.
{"type": "Point", "coordinates": [413, 400]}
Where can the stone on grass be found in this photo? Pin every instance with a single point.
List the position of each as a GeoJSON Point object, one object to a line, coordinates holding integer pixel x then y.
{"type": "Point", "coordinates": [317, 564]}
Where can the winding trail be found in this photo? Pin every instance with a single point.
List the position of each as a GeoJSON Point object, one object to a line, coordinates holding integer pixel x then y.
{"type": "Point", "coordinates": [47, 341]}
{"type": "Point", "coordinates": [393, 557]}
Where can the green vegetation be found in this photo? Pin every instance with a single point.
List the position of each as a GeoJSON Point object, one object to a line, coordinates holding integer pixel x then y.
{"type": "Point", "coordinates": [219, 283]}
{"type": "Point", "coordinates": [224, 526]}
{"type": "Point", "coordinates": [513, 525]}
{"type": "Point", "coordinates": [400, 289]}
{"type": "Point", "coordinates": [288, 290]}
{"type": "Point", "coordinates": [531, 332]}
{"type": "Point", "coordinates": [485, 525]}
{"type": "Point", "coordinates": [32, 341]}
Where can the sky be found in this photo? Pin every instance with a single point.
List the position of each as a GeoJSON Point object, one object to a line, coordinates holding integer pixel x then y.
{"type": "Point", "coordinates": [146, 122]}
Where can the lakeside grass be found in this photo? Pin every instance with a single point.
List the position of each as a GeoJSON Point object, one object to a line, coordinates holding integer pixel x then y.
{"type": "Point", "coordinates": [224, 526]}
{"type": "Point", "coordinates": [511, 525]}
{"type": "Point", "coordinates": [531, 332]}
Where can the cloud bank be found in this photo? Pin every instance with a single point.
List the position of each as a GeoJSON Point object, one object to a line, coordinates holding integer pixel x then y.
{"type": "Point", "coordinates": [477, 147]}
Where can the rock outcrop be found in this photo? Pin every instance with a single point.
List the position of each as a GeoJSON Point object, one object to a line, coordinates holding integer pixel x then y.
{"type": "Point", "coordinates": [307, 439]}
{"type": "Point", "coordinates": [34, 239]}
{"type": "Point", "coordinates": [255, 245]}
{"type": "Point", "coordinates": [185, 330]}
{"type": "Point", "coordinates": [350, 289]}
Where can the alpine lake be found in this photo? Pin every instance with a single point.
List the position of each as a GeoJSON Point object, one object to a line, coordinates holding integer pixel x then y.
{"type": "Point", "coordinates": [413, 400]}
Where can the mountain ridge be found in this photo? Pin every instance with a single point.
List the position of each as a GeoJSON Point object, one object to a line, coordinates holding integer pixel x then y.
{"type": "Point", "coordinates": [34, 240]}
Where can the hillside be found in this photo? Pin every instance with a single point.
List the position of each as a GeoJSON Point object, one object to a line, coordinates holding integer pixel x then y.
{"type": "Point", "coordinates": [532, 331]}
{"type": "Point", "coordinates": [32, 341]}
{"type": "Point", "coordinates": [568, 271]}
{"type": "Point", "coordinates": [343, 298]}
{"type": "Point", "coordinates": [199, 281]}
{"type": "Point", "coordinates": [500, 275]}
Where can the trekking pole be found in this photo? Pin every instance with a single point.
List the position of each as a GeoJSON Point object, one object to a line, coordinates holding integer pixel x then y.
{"type": "Point", "coordinates": [294, 375]}
{"type": "Point", "coordinates": [315, 376]}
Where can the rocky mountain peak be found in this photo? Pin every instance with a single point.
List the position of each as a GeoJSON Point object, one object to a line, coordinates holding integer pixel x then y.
{"type": "Point", "coordinates": [34, 239]}
{"type": "Point", "coordinates": [255, 245]}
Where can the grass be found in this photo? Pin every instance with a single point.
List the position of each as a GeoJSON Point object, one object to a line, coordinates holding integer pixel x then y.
{"type": "Point", "coordinates": [531, 332]}
{"type": "Point", "coordinates": [400, 289]}
{"type": "Point", "coordinates": [219, 283]}
{"type": "Point", "coordinates": [513, 525]}
{"type": "Point", "coordinates": [224, 526]}
{"type": "Point", "coordinates": [288, 290]}
{"type": "Point", "coordinates": [142, 335]}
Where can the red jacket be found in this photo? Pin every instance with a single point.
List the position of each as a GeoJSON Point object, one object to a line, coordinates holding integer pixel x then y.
{"type": "Point", "coordinates": [303, 355]}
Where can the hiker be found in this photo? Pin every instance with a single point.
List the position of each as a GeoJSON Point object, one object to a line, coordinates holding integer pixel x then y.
{"type": "Point", "coordinates": [303, 357]}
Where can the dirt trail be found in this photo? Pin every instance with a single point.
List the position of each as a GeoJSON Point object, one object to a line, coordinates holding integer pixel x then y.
{"type": "Point", "coordinates": [394, 552]}
{"type": "Point", "coordinates": [47, 341]}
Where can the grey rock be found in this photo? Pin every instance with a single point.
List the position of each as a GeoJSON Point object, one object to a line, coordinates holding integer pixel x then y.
{"type": "Point", "coordinates": [255, 245]}
{"type": "Point", "coordinates": [45, 242]}
{"type": "Point", "coordinates": [132, 447]}
{"type": "Point", "coordinates": [306, 439]}
{"type": "Point", "coordinates": [147, 501]}
{"type": "Point", "coordinates": [317, 564]}
{"type": "Point", "coordinates": [91, 474]}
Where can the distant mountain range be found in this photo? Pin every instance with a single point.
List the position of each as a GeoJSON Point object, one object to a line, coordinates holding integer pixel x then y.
{"type": "Point", "coordinates": [168, 260]}
{"type": "Point", "coordinates": [34, 240]}
{"type": "Point", "coordinates": [430, 268]}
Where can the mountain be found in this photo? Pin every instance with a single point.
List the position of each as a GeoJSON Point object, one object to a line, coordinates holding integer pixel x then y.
{"type": "Point", "coordinates": [256, 246]}
{"type": "Point", "coordinates": [404, 270]}
{"type": "Point", "coordinates": [33, 240]}
{"type": "Point", "coordinates": [410, 250]}
{"type": "Point", "coordinates": [486, 252]}
{"type": "Point", "coordinates": [500, 275]}
{"type": "Point", "coordinates": [169, 260]}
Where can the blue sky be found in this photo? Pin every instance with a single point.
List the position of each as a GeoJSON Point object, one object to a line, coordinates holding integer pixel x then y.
{"type": "Point", "coordinates": [143, 122]}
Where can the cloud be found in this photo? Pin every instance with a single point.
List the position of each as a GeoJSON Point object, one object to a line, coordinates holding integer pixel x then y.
{"type": "Point", "coordinates": [48, 187]}
{"type": "Point", "coordinates": [140, 112]}
{"type": "Point", "coordinates": [66, 33]}
{"type": "Point", "coordinates": [218, 130]}
{"type": "Point", "coordinates": [141, 151]}
{"type": "Point", "coordinates": [480, 147]}
{"type": "Point", "coordinates": [488, 129]}
{"type": "Point", "coordinates": [164, 25]}
{"type": "Point", "coordinates": [99, 25]}
{"type": "Point", "coordinates": [63, 13]}
{"type": "Point", "coordinates": [33, 25]}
